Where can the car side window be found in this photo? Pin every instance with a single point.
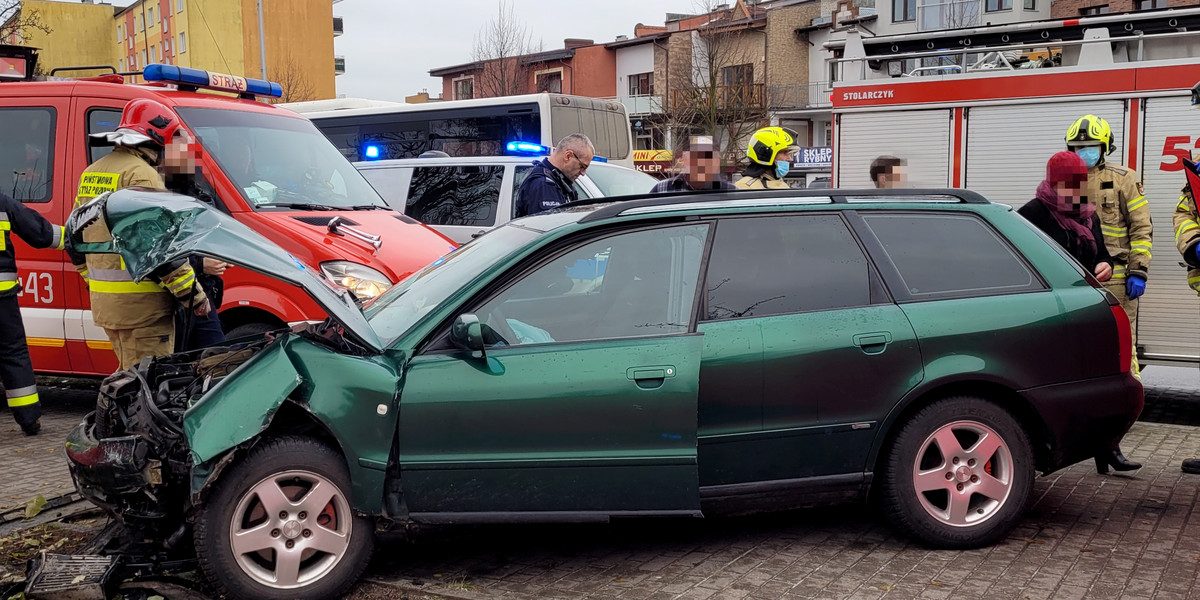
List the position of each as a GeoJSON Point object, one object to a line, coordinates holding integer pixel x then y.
{"type": "Point", "coordinates": [464, 195]}
{"type": "Point", "coordinates": [777, 265]}
{"type": "Point", "coordinates": [390, 183]}
{"type": "Point", "coordinates": [27, 153]}
{"type": "Point", "coordinates": [635, 284]}
{"type": "Point", "coordinates": [101, 120]}
{"type": "Point", "coordinates": [945, 255]}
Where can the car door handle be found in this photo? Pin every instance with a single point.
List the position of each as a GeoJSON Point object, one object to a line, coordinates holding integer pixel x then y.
{"type": "Point", "coordinates": [873, 343]}
{"type": "Point", "coordinates": [651, 376]}
{"type": "Point", "coordinates": [478, 233]}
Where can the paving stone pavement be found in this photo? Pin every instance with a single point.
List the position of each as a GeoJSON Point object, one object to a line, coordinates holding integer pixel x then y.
{"type": "Point", "coordinates": [1086, 536]}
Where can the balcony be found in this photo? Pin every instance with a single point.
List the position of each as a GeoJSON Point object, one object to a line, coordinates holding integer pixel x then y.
{"type": "Point", "coordinates": [339, 65]}
{"type": "Point", "coordinates": [337, 26]}
{"type": "Point", "coordinates": [642, 105]}
{"type": "Point", "coordinates": [722, 97]}
{"type": "Point", "coordinates": [800, 95]}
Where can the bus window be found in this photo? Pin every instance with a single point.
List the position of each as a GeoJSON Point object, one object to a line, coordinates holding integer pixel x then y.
{"type": "Point", "coordinates": [609, 131]}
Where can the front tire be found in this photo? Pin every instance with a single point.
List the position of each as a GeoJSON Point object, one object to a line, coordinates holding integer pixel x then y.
{"type": "Point", "coordinates": [959, 474]}
{"type": "Point", "coordinates": [279, 525]}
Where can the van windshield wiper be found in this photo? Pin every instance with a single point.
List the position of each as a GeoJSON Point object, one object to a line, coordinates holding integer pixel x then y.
{"type": "Point", "coordinates": [297, 205]}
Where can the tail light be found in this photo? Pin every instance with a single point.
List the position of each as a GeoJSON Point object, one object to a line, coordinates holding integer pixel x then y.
{"type": "Point", "coordinates": [1124, 333]}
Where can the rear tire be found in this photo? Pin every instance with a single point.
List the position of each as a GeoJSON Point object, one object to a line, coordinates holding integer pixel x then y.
{"type": "Point", "coordinates": [250, 329]}
{"type": "Point", "coordinates": [279, 525]}
{"type": "Point", "coordinates": [959, 474]}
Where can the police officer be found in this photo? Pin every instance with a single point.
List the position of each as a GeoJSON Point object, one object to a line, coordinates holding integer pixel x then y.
{"type": "Point", "coordinates": [1187, 239]}
{"type": "Point", "coordinates": [770, 153]}
{"type": "Point", "coordinates": [1124, 213]}
{"type": "Point", "coordinates": [551, 181]}
{"type": "Point", "coordinates": [138, 317]}
{"type": "Point", "coordinates": [16, 370]}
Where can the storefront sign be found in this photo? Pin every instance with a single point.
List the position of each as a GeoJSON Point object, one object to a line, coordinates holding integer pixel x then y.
{"type": "Point", "coordinates": [818, 156]}
{"type": "Point", "coordinates": [653, 161]}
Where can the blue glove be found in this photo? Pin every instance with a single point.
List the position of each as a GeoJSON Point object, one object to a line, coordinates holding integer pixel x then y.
{"type": "Point", "coordinates": [1135, 286]}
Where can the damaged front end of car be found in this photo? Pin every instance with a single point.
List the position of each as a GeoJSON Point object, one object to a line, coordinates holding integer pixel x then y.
{"type": "Point", "coordinates": [130, 456]}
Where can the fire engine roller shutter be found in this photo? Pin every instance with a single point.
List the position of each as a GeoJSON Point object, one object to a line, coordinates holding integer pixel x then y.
{"type": "Point", "coordinates": [1169, 313]}
{"type": "Point", "coordinates": [1008, 146]}
{"type": "Point", "coordinates": [922, 137]}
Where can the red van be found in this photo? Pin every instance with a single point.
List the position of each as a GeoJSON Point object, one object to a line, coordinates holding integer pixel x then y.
{"type": "Point", "coordinates": [267, 167]}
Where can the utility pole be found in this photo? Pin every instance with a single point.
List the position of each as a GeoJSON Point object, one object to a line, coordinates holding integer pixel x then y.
{"type": "Point", "coordinates": [262, 42]}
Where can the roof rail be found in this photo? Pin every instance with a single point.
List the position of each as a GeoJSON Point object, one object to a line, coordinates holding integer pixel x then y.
{"type": "Point", "coordinates": [797, 196]}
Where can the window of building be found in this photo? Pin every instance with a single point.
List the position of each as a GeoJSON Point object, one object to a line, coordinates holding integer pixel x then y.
{"type": "Point", "coordinates": [182, 43]}
{"type": "Point", "coordinates": [166, 46]}
{"type": "Point", "coordinates": [464, 89]}
{"type": "Point", "coordinates": [641, 84]}
{"type": "Point", "coordinates": [130, 38]}
{"type": "Point", "coordinates": [1151, 4]}
{"type": "Point", "coordinates": [164, 20]}
{"type": "Point", "coordinates": [949, 14]}
{"type": "Point", "coordinates": [904, 10]}
{"type": "Point", "coordinates": [549, 82]}
{"type": "Point", "coordinates": [1094, 10]}
{"type": "Point", "coordinates": [466, 195]}
{"type": "Point", "coordinates": [760, 266]}
{"type": "Point", "coordinates": [145, 58]}
{"type": "Point", "coordinates": [28, 152]}
{"type": "Point", "coordinates": [998, 5]}
{"type": "Point", "coordinates": [737, 75]}
{"type": "Point", "coordinates": [101, 120]}
{"type": "Point", "coordinates": [635, 284]}
{"type": "Point", "coordinates": [178, 6]}
{"type": "Point", "coordinates": [141, 24]}
{"type": "Point", "coordinates": [940, 255]}
{"type": "Point", "coordinates": [121, 65]}
{"type": "Point", "coordinates": [150, 18]}
{"type": "Point", "coordinates": [120, 33]}
{"type": "Point", "coordinates": [1030, 4]}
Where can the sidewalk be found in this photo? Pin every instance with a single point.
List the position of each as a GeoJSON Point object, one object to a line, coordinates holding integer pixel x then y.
{"type": "Point", "coordinates": [36, 465]}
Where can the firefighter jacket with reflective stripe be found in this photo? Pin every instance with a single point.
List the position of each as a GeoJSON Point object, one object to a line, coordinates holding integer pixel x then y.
{"type": "Point", "coordinates": [22, 221]}
{"type": "Point", "coordinates": [760, 183]}
{"type": "Point", "coordinates": [1124, 213]}
{"type": "Point", "coordinates": [117, 301]}
{"type": "Point", "coordinates": [1187, 235]}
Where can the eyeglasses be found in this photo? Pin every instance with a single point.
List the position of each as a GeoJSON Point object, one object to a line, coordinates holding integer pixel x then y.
{"type": "Point", "coordinates": [583, 166]}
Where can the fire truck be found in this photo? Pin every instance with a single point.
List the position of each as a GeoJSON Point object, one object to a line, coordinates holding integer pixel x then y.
{"type": "Point", "coordinates": [268, 167]}
{"type": "Point", "coordinates": [992, 132]}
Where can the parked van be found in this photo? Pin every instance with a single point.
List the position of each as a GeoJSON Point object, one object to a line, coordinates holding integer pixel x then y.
{"type": "Point", "coordinates": [292, 187]}
{"type": "Point", "coordinates": [463, 197]}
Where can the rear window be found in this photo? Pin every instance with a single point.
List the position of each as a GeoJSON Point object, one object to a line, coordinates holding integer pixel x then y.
{"type": "Point", "coordinates": [950, 256]}
{"type": "Point", "coordinates": [466, 195]}
{"type": "Point", "coordinates": [27, 153]}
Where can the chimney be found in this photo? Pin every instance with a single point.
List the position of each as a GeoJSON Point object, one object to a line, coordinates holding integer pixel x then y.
{"type": "Point", "coordinates": [570, 43]}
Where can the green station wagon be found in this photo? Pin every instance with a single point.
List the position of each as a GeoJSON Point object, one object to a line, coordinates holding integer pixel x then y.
{"type": "Point", "coordinates": [665, 355]}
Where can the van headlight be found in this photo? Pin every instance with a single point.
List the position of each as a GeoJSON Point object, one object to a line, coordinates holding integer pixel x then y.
{"type": "Point", "coordinates": [363, 281]}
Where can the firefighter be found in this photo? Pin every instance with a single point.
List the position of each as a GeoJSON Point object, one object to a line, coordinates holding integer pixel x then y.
{"type": "Point", "coordinates": [770, 153]}
{"type": "Point", "coordinates": [1124, 213]}
{"type": "Point", "coordinates": [1187, 239]}
{"type": "Point", "coordinates": [16, 370]}
{"type": "Point", "coordinates": [138, 317]}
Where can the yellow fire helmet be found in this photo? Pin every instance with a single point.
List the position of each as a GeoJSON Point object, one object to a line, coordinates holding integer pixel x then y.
{"type": "Point", "coordinates": [768, 142]}
{"type": "Point", "coordinates": [1090, 129]}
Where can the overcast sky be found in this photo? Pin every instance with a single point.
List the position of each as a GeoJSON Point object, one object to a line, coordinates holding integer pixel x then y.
{"type": "Point", "coordinates": [390, 45]}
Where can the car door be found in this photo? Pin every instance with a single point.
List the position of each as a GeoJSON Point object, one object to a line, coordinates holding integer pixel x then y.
{"type": "Point", "coordinates": [833, 352]}
{"type": "Point", "coordinates": [583, 403]}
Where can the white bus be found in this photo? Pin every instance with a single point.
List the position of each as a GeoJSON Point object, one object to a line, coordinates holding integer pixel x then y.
{"type": "Point", "coordinates": [372, 130]}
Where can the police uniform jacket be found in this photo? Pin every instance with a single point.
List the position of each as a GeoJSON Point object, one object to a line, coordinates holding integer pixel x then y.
{"type": "Point", "coordinates": [543, 189]}
{"type": "Point", "coordinates": [117, 301]}
{"type": "Point", "coordinates": [1124, 213]}
{"type": "Point", "coordinates": [27, 224]}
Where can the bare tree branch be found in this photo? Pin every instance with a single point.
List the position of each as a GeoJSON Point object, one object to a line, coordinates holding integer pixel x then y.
{"type": "Point", "coordinates": [713, 86]}
{"type": "Point", "coordinates": [498, 47]}
{"type": "Point", "coordinates": [14, 21]}
{"type": "Point", "coordinates": [290, 75]}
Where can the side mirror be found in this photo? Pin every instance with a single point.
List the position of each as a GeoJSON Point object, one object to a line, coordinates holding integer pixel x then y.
{"type": "Point", "coordinates": [467, 332]}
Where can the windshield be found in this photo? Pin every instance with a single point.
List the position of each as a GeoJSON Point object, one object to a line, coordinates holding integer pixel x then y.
{"type": "Point", "coordinates": [401, 307]}
{"type": "Point", "coordinates": [279, 161]}
{"type": "Point", "coordinates": [618, 181]}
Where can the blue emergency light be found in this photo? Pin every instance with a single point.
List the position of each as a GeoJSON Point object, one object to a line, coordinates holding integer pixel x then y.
{"type": "Point", "coordinates": [371, 152]}
{"type": "Point", "coordinates": [211, 80]}
{"type": "Point", "coordinates": [527, 148]}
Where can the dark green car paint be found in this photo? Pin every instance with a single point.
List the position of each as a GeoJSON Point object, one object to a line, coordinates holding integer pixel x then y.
{"type": "Point", "coordinates": [644, 425]}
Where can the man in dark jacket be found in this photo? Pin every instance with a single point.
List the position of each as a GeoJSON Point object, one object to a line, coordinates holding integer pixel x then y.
{"type": "Point", "coordinates": [551, 182]}
{"type": "Point", "coordinates": [16, 370]}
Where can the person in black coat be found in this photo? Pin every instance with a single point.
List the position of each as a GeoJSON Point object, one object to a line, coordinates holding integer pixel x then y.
{"type": "Point", "coordinates": [1063, 213]}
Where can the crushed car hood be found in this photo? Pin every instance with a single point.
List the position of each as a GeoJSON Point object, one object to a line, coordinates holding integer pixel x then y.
{"type": "Point", "coordinates": [150, 228]}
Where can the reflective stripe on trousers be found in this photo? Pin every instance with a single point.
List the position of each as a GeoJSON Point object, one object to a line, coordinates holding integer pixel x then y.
{"type": "Point", "coordinates": [22, 396]}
